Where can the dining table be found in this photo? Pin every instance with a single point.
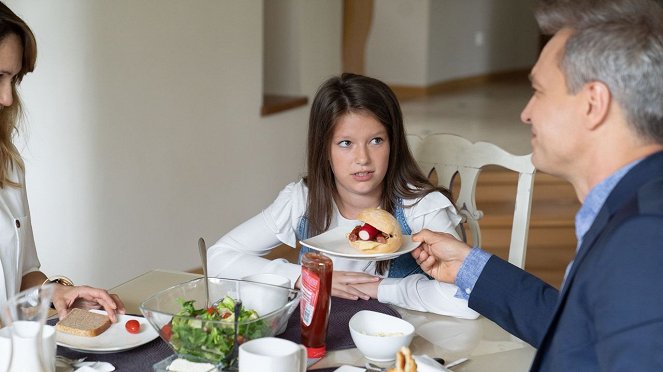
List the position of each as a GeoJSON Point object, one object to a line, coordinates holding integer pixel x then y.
{"type": "Point", "coordinates": [487, 346]}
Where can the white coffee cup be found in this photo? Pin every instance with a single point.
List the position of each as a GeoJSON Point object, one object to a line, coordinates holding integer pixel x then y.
{"type": "Point", "coordinates": [23, 341]}
{"type": "Point", "coordinates": [265, 299]}
{"type": "Point", "coordinates": [271, 354]}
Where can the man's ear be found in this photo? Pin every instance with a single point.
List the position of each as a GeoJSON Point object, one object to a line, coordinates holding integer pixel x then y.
{"type": "Point", "coordinates": [598, 103]}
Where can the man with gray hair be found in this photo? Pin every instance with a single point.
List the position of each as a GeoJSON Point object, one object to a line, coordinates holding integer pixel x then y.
{"type": "Point", "coordinates": [596, 117]}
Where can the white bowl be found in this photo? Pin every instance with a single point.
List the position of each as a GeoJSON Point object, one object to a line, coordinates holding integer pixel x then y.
{"type": "Point", "coordinates": [265, 299]}
{"type": "Point", "coordinates": [379, 336]}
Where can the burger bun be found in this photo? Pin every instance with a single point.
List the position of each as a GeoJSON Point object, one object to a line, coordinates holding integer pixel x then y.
{"type": "Point", "coordinates": [385, 222]}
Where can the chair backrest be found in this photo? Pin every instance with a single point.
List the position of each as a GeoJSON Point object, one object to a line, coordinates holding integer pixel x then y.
{"type": "Point", "coordinates": [450, 155]}
{"type": "Point", "coordinates": [414, 143]}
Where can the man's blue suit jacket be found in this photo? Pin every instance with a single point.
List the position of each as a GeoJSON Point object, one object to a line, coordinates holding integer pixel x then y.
{"type": "Point", "coordinates": [609, 314]}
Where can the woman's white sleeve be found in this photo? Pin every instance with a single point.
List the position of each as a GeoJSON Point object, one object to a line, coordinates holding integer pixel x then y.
{"type": "Point", "coordinates": [417, 292]}
{"type": "Point", "coordinates": [30, 259]}
{"type": "Point", "coordinates": [238, 253]}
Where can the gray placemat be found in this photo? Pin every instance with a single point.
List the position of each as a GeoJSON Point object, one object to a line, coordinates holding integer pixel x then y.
{"type": "Point", "coordinates": [143, 357]}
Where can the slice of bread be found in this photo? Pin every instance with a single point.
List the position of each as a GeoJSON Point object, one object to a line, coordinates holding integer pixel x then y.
{"type": "Point", "coordinates": [81, 322]}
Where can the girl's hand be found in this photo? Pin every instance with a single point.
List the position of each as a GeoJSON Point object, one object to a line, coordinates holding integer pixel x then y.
{"type": "Point", "coordinates": [370, 289]}
{"type": "Point", "coordinates": [346, 284]}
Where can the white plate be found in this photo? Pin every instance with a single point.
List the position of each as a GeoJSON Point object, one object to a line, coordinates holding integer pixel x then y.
{"type": "Point", "coordinates": [349, 369]}
{"type": "Point", "coordinates": [114, 339]}
{"type": "Point", "coordinates": [335, 243]}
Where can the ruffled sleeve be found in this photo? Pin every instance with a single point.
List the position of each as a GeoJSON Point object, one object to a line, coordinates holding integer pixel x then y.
{"type": "Point", "coordinates": [283, 215]}
{"type": "Point", "coordinates": [433, 212]}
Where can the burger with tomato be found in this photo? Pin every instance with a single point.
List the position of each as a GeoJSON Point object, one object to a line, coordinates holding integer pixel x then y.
{"type": "Point", "coordinates": [378, 233]}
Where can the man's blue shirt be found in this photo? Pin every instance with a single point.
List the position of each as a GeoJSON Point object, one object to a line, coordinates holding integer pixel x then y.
{"type": "Point", "coordinates": [476, 260]}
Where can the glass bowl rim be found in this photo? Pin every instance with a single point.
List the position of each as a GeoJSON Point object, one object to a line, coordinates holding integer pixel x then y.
{"type": "Point", "coordinates": [297, 293]}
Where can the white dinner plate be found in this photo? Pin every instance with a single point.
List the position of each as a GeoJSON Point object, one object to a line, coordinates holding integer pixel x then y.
{"type": "Point", "coordinates": [114, 339]}
{"type": "Point", "coordinates": [335, 243]}
{"type": "Point", "coordinates": [349, 369]}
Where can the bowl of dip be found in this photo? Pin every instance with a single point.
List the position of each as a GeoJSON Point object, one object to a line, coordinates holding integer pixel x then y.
{"type": "Point", "coordinates": [379, 336]}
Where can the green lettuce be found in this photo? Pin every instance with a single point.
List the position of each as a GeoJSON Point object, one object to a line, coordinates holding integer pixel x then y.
{"type": "Point", "coordinates": [207, 334]}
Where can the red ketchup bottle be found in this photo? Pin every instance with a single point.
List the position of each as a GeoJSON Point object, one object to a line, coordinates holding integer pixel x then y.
{"type": "Point", "coordinates": [315, 302]}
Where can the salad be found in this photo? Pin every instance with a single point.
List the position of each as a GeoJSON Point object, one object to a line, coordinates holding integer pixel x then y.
{"type": "Point", "coordinates": [208, 333]}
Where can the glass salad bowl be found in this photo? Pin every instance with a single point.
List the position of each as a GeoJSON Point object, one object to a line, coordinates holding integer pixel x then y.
{"type": "Point", "coordinates": [206, 334]}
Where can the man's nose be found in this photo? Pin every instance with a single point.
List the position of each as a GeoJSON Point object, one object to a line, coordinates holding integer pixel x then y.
{"type": "Point", "coordinates": [525, 115]}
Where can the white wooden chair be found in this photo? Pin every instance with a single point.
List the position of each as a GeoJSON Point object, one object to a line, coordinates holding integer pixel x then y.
{"type": "Point", "coordinates": [414, 143]}
{"type": "Point", "coordinates": [450, 155]}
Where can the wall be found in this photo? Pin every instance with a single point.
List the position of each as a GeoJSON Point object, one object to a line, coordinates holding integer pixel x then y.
{"type": "Point", "coordinates": [424, 42]}
{"type": "Point", "coordinates": [282, 39]}
{"type": "Point", "coordinates": [302, 40]}
{"type": "Point", "coordinates": [396, 50]}
{"type": "Point", "coordinates": [143, 129]}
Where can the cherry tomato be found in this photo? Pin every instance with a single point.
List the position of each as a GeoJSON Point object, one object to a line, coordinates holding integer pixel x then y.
{"type": "Point", "coordinates": [132, 326]}
{"type": "Point", "coordinates": [166, 332]}
{"type": "Point", "coordinates": [211, 310]}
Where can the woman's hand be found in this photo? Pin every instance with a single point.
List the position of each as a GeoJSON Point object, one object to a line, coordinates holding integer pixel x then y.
{"type": "Point", "coordinates": [84, 297]}
{"type": "Point", "coordinates": [346, 284]}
